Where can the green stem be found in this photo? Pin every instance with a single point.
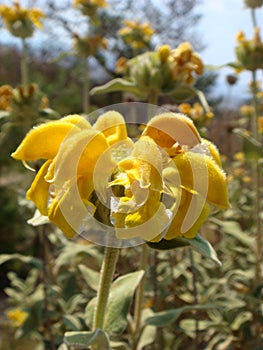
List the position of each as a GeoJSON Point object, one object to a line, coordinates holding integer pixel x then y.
{"type": "Point", "coordinates": [139, 298]}
{"type": "Point", "coordinates": [24, 64]}
{"type": "Point", "coordinates": [254, 19]}
{"type": "Point", "coordinates": [86, 86]}
{"type": "Point", "coordinates": [46, 278]}
{"type": "Point", "coordinates": [106, 275]}
{"type": "Point", "coordinates": [195, 292]}
{"type": "Point", "coordinates": [153, 98]}
{"type": "Point", "coordinates": [254, 126]}
{"type": "Point", "coordinates": [256, 186]}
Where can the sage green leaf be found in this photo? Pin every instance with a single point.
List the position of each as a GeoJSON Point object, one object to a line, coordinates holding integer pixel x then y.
{"type": "Point", "coordinates": [213, 67]}
{"type": "Point", "coordinates": [120, 298]}
{"type": "Point", "coordinates": [90, 276]}
{"type": "Point", "coordinates": [204, 247]}
{"type": "Point", "coordinates": [241, 319]}
{"type": "Point", "coordinates": [81, 340]}
{"type": "Point", "coordinates": [74, 250]}
{"type": "Point", "coordinates": [121, 294]}
{"type": "Point", "coordinates": [235, 65]}
{"type": "Point", "coordinates": [63, 347]}
{"type": "Point", "coordinates": [198, 243]}
{"type": "Point", "coordinates": [234, 229]}
{"type": "Point", "coordinates": [202, 99]}
{"type": "Point", "coordinates": [183, 92]}
{"type": "Point", "coordinates": [149, 332]}
{"type": "Point", "coordinates": [89, 312]}
{"type": "Point", "coordinates": [117, 345]}
{"type": "Point", "coordinates": [23, 258]}
{"type": "Point", "coordinates": [165, 318]}
{"type": "Point", "coordinates": [189, 326]}
{"type": "Point", "coordinates": [49, 113]}
{"type": "Point", "coordinates": [253, 149]}
{"type": "Point", "coordinates": [72, 322]}
{"type": "Point", "coordinates": [4, 114]}
{"type": "Point", "coordinates": [117, 84]}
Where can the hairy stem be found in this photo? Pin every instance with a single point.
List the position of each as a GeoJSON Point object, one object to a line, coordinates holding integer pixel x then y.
{"type": "Point", "coordinates": [139, 298]}
{"type": "Point", "coordinates": [106, 275]}
{"type": "Point", "coordinates": [24, 65]}
{"type": "Point", "coordinates": [46, 277]}
{"type": "Point", "coordinates": [195, 292]}
{"type": "Point", "coordinates": [256, 185]}
{"type": "Point", "coordinates": [86, 86]}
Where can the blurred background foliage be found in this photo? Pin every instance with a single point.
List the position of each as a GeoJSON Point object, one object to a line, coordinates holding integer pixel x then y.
{"type": "Point", "coordinates": [190, 303]}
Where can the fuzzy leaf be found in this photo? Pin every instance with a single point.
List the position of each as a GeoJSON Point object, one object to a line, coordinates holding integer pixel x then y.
{"type": "Point", "coordinates": [72, 322]}
{"type": "Point", "coordinates": [183, 92]}
{"type": "Point", "coordinates": [90, 276]}
{"type": "Point", "coordinates": [81, 340]}
{"type": "Point", "coordinates": [4, 114]}
{"type": "Point", "coordinates": [117, 84]}
{"type": "Point", "coordinates": [120, 298]}
{"type": "Point", "coordinates": [253, 149]}
{"type": "Point", "coordinates": [115, 345]}
{"type": "Point", "coordinates": [165, 318]}
{"type": "Point", "coordinates": [24, 259]}
{"type": "Point", "coordinates": [73, 251]}
{"type": "Point", "coordinates": [121, 294]}
{"type": "Point", "coordinates": [234, 229]}
{"type": "Point", "coordinates": [149, 332]}
{"type": "Point", "coordinates": [204, 247]}
{"type": "Point", "coordinates": [198, 243]}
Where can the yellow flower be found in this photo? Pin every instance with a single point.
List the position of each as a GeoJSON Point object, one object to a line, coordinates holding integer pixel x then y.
{"type": "Point", "coordinates": [164, 52]}
{"type": "Point", "coordinates": [97, 3]}
{"type": "Point", "coordinates": [136, 34]}
{"type": "Point", "coordinates": [247, 110]}
{"type": "Point", "coordinates": [186, 62]}
{"type": "Point", "coordinates": [239, 156]}
{"type": "Point", "coordinates": [17, 317]}
{"type": "Point", "coordinates": [249, 52]}
{"type": "Point", "coordinates": [6, 92]}
{"type": "Point", "coordinates": [196, 112]}
{"type": "Point", "coordinates": [120, 65]}
{"type": "Point", "coordinates": [90, 7]}
{"type": "Point", "coordinates": [161, 186]}
{"type": "Point", "coordinates": [254, 3]}
{"type": "Point", "coordinates": [260, 124]}
{"type": "Point", "coordinates": [88, 45]}
{"type": "Point", "coordinates": [20, 21]}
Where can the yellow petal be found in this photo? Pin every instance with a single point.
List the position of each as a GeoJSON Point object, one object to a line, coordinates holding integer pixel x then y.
{"type": "Point", "coordinates": [213, 151]}
{"type": "Point", "coordinates": [168, 128]}
{"type": "Point", "coordinates": [192, 222]}
{"type": "Point", "coordinates": [44, 141]}
{"type": "Point", "coordinates": [70, 211]}
{"type": "Point", "coordinates": [201, 173]}
{"type": "Point", "coordinates": [77, 120]}
{"type": "Point", "coordinates": [147, 223]}
{"type": "Point", "coordinates": [79, 154]}
{"type": "Point", "coordinates": [112, 124]}
{"type": "Point", "coordinates": [56, 217]}
{"type": "Point", "coordinates": [39, 190]}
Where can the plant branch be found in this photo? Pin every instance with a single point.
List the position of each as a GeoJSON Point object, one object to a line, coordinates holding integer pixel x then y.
{"type": "Point", "coordinates": [107, 270]}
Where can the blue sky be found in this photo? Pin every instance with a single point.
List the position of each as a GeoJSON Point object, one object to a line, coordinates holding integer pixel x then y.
{"type": "Point", "coordinates": [221, 20]}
